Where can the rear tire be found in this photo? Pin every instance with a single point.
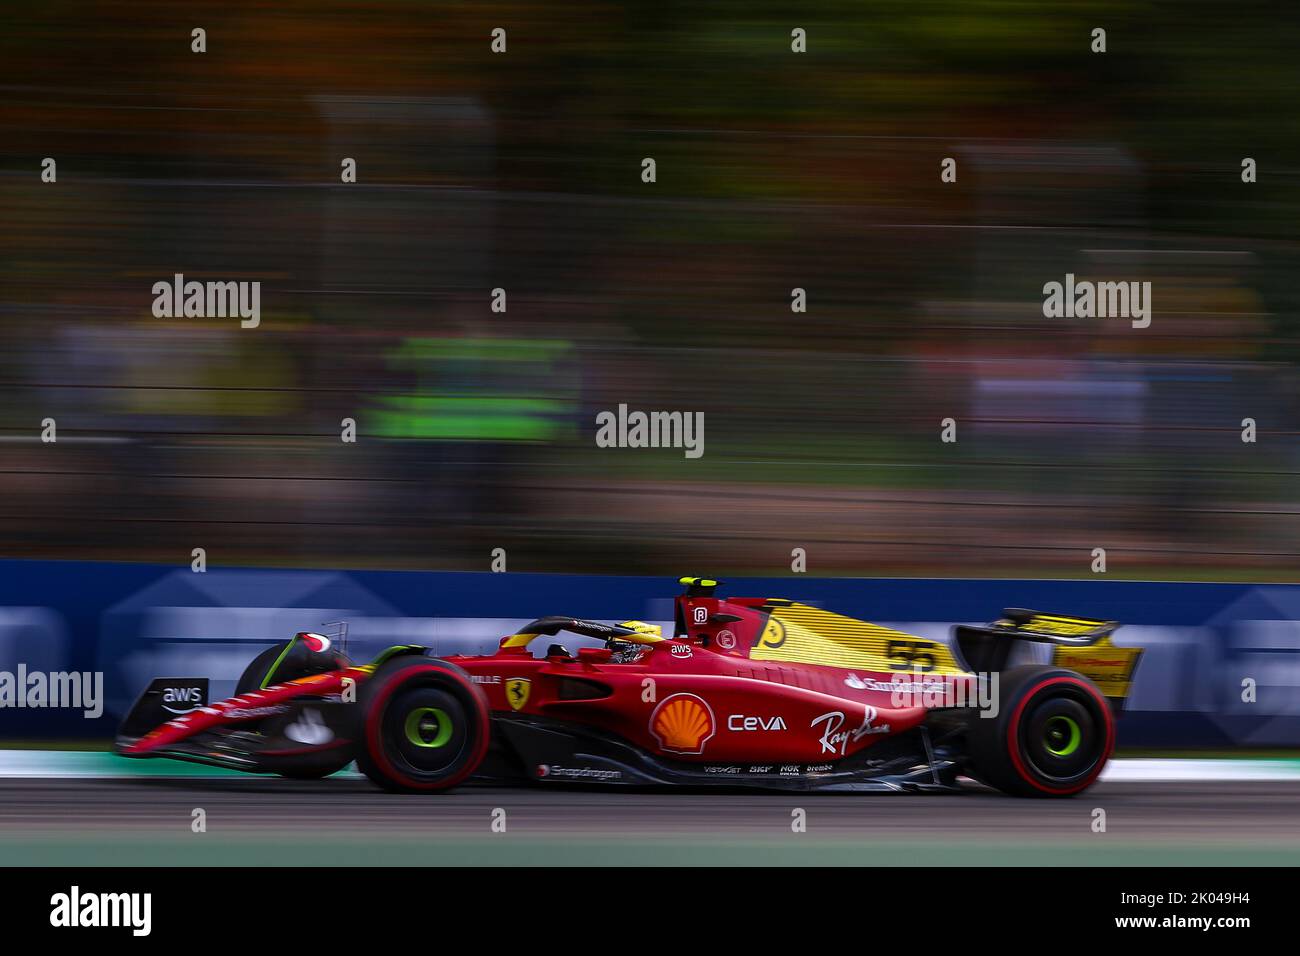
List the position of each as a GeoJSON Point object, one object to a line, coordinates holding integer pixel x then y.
{"type": "Point", "coordinates": [425, 726]}
{"type": "Point", "coordinates": [1052, 736]}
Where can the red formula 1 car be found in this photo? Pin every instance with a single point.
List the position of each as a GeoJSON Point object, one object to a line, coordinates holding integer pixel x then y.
{"type": "Point", "coordinates": [752, 692]}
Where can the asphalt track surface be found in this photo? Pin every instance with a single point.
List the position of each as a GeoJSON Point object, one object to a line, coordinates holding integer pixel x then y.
{"type": "Point", "coordinates": [341, 821]}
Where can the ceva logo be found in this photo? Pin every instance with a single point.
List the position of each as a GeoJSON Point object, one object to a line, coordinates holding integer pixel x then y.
{"type": "Point", "coordinates": [739, 723]}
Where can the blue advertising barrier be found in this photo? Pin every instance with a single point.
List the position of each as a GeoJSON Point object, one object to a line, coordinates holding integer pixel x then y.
{"type": "Point", "coordinates": [1207, 644]}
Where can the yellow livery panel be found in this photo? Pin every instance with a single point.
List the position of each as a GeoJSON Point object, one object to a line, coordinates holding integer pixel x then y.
{"type": "Point", "coordinates": [800, 634]}
{"type": "Point", "coordinates": [1109, 667]}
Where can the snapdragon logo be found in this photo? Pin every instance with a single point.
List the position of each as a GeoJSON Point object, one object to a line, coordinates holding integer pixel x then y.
{"type": "Point", "coordinates": [978, 691]}
{"type": "Point", "coordinates": [624, 429]}
{"type": "Point", "coordinates": [208, 300]}
{"type": "Point", "coordinates": [1099, 300]}
{"type": "Point", "coordinates": [54, 689]}
{"type": "Point", "coordinates": [74, 908]}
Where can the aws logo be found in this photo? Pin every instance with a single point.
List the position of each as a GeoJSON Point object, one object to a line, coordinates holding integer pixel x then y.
{"type": "Point", "coordinates": [683, 724]}
{"type": "Point", "coordinates": [182, 700]}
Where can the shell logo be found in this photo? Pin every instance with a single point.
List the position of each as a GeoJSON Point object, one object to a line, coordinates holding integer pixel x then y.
{"type": "Point", "coordinates": [682, 724]}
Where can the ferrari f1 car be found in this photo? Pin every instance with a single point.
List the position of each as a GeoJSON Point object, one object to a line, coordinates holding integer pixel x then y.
{"type": "Point", "coordinates": [748, 692]}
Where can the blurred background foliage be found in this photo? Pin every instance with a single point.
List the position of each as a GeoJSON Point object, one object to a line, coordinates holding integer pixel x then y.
{"type": "Point", "coordinates": [776, 170]}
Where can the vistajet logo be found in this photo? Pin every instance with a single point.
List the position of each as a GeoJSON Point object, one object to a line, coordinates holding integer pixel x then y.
{"type": "Point", "coordinates": [208, 300]}
{"type": "Point", "coordinates": [75, 908]}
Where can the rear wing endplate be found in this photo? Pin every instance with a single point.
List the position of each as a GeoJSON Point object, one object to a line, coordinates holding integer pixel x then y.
{"type": "Point", "coordinates": [1082, 645]}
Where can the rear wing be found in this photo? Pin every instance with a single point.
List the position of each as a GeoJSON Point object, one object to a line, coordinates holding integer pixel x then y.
{"type": "Point", "coordinates": [1049, 628]}
{"type": "Point", "coordinates": [1082, 645]}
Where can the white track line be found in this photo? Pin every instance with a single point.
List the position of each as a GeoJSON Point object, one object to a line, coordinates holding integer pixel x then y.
{"type": "Point", "coordinates": [64, 764]}
{"type": "Point", "coordinates": [1158, 770]}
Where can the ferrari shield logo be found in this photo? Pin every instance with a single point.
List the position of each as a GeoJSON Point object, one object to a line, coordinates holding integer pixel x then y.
{"type": "Point", "coordinates": [517, 689]}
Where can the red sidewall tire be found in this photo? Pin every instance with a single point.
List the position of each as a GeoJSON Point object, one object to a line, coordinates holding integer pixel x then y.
{"type": "Point", "coordinates": [375, 761]}
{"type": "Point", "coordinates": [1013, 736]}
{"type": "Point", "coordinates": [1004, 752]}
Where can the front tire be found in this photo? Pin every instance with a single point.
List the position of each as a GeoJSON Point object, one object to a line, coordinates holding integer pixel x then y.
{"type": "Point", "coordinates": [425, 726]}
{"type": "Point", "coordinates": [1052, 736]}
